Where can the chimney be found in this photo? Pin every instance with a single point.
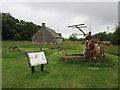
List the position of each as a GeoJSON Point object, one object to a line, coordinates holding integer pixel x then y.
{"type": "Point", "coordinates": [43, 24]}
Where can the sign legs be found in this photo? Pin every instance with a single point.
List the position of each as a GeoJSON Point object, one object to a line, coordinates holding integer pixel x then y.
{"type": "Point", "coordinates": [42, 67]}
{"type": "Point", "coordinates": [33, 69]}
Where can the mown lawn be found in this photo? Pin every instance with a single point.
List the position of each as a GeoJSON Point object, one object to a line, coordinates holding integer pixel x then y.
{"type": "Point", "coordinates": [70, 74]}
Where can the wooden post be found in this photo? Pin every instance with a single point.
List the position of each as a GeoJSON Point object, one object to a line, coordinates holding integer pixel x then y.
{"type": "Point", "coordinates": [42, 67]}
{"type": "Point", "coordinates": [33, 69]}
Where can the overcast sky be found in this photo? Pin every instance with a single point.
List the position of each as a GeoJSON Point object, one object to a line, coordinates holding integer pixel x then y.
{"type": "Point", "coordinates": [59, 15]}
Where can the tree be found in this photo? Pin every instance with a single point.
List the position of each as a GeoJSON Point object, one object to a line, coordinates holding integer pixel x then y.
{"type": "Point", "coordinates": [116, 37]}
{"type": "Point", "coordinates": [109, 37]}
{"type": "Point", "coordinates": [17, 37]}
{"type": "Point", "coordinates": [8, 26]}
{"type": "Point", "coordinates": [81, 39]}
{"type": "Point", "coordinates": [14, 29]}
{"type": "Point", "coordinates": [102, 36]}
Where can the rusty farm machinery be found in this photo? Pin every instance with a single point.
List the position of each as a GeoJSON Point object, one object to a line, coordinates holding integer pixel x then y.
{"type": "Point", "coordinates": [94, 48]}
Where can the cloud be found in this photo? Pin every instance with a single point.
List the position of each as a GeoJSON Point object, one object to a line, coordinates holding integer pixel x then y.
{"type": "Point", "coordinates": [58, 15]}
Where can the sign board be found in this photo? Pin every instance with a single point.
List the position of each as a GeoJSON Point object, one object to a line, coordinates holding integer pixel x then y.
{"type": "Point", "coordinates": [36, 58]}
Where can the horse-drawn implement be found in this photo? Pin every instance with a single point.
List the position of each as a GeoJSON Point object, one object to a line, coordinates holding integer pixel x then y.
{"type": "Point", "coordinates": [94, 48]}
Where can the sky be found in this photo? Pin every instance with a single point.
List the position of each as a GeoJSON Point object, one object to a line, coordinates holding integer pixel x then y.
{"type": "Point", "coordinates": [97, 16]}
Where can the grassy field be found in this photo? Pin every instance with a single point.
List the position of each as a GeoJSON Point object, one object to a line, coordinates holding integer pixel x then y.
{"type": "Point", "coordinates": [70, 74]}
{"type": "Point", "coordinates": [114, 50]}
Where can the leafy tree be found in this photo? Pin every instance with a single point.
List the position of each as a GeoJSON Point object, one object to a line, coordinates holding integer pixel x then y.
{"type": "Point", "coordinates": [17, 37]}
{"type": "Point", "coordinates": [81, 39]}
{"type": "Point", "coordinates": [113, 37]}
{"type": "Point", "coordinates": [109, 37]}
{"type": "Point", "coordinates": [8, 26]}
{"type": "Point", "coordinates": [14, 29]}
{"type": "Point", "coordinates": [116, 37]}
{"type": "Point", "coordinates": [102, 36]}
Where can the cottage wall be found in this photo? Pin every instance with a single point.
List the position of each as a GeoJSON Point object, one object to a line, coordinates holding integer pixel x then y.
{"type": "Point", "coordinates": [59, 40]}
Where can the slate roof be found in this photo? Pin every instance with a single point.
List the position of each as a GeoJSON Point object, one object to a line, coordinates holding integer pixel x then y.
{"type": "Point", "coordinates": [53, 32]}
{"type": "Point", "coordinates": [50, 31]}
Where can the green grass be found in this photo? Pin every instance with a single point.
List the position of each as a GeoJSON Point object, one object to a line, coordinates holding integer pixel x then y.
{"type": "Point", "coordinates": [114, 50]}
{"type": "Point", "coordinates": [70, 74]}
